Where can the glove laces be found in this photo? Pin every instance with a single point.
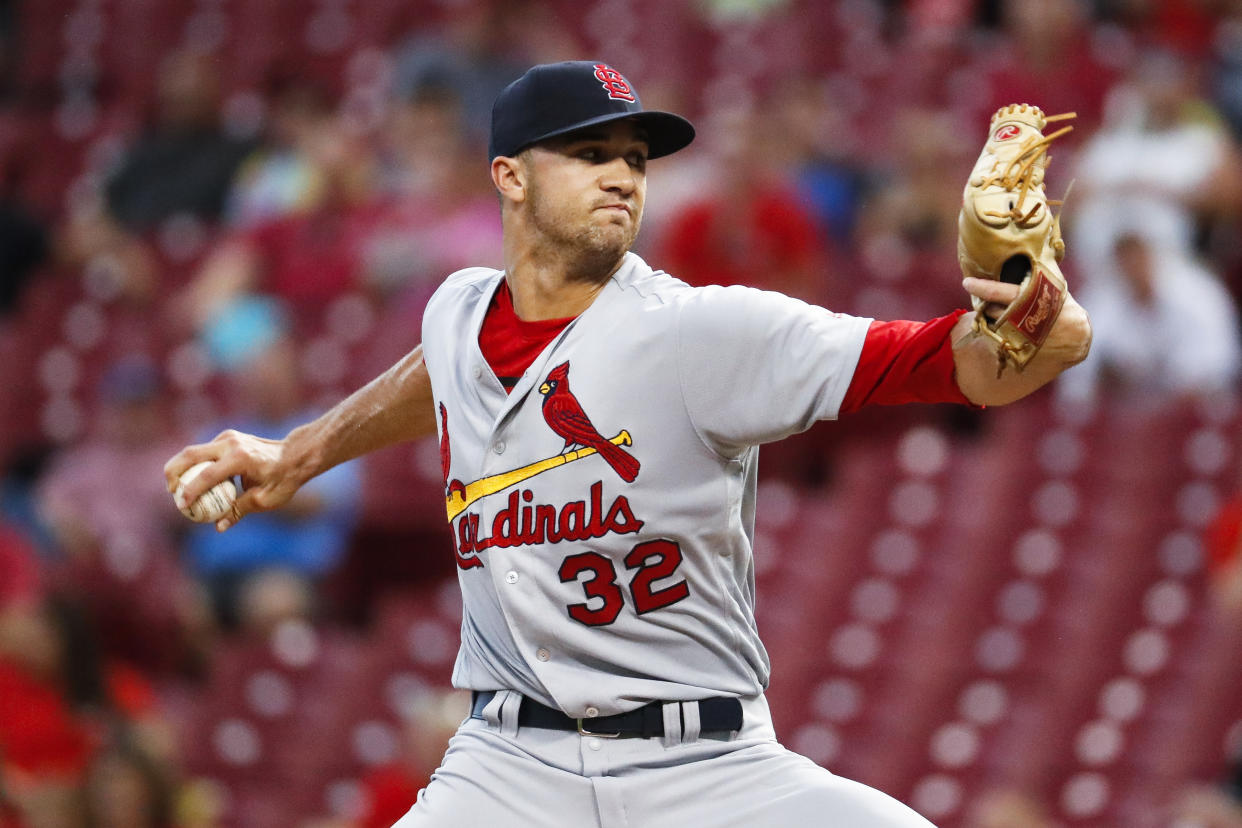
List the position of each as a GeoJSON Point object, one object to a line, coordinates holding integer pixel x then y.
{"type": "Point", "coordinates": [1019, 173]}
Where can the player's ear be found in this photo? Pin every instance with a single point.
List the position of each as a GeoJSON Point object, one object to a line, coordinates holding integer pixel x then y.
{"type": "Point", "coordinates": [509, 177]}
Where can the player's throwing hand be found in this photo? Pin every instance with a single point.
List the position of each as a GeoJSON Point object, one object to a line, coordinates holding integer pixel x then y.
{"type": "Point", "coordinates": [259, 462]}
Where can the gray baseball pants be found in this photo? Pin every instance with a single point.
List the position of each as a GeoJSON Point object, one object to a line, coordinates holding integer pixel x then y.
{"type": "Point", "coordinates": [496, 775]}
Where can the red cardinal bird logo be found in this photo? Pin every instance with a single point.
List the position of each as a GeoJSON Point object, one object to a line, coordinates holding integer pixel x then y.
{"type": "Point", "coordinates": [565, 417]}
{"type": "Point", "coordinates": [446, 460]}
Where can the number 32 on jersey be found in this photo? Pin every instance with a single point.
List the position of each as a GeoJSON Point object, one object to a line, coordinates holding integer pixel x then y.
{"type": "Point", "coordinates": [649, 561]}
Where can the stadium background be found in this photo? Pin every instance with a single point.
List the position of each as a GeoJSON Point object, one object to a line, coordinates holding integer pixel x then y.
{"type": "Point", "coordinates": [231, 212]}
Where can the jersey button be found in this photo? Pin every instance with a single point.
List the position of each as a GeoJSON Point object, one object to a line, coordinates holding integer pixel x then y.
{"type": "Point", "coordinates": [594, 744]}
{"type": "Point", "coordinates": [591, 712]}
{"type": "Point", "coordinates": [542, 654]}
{"type": "Point", "coordinates": [511, 577]}
{"type": "Point", "coordinates": [477, 371]}
{"type": "Point", "coordinates": [499, 447]}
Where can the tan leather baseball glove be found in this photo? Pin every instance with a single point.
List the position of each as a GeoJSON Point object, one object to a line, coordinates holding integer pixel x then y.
{"type": "Point", "coordinates": [1006, 231]}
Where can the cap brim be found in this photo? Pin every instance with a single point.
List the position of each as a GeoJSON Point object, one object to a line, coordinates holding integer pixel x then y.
{"type": "Point", "coordinates": [666, 133]}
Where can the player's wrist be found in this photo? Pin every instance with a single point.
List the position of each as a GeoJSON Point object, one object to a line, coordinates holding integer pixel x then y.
{"type": "Point", "coordinates": [1071, 334]}
{"type": "Point", "coordinates": [303, 454]}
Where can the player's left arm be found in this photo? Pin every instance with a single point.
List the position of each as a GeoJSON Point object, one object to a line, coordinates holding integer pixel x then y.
{"type": "Point", "coordinates": [975, 357]}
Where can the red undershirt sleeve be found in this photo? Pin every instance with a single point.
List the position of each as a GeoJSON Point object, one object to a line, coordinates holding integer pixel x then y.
{"type": "Point", "coordinates": [905, 362]}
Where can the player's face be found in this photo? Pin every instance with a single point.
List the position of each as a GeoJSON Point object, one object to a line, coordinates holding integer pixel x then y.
{"type": "Point", "coordinates": [586, 192]}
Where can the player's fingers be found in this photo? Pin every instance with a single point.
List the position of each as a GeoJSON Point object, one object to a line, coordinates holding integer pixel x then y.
{"type": "Point", "coordinates": [230, 520]}
{"type": "Point", "coordinates": [221, 469]}
{"type": "Point", "coordinates": [184, 459]}
{"type": "Point", "coordinates": [990, 290]}
{"type": "Point", "coordinates": [192, 455]}
{"type": "Point", "coordinates": [251, 500]}
{"type": "Point", "coordinates": [229, 458]}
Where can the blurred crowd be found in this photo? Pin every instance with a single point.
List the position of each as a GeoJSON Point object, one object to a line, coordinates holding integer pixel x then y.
{"type": "Point", "coordinates": [183, 252]}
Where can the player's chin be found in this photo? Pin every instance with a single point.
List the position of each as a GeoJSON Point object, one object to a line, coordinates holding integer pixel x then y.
{"type": "Point", "coordinates": [597, 251]}
{"type": "Point", "coordinates": [609, 217]}
{"type": "Point", "coordinates": [613, 233]}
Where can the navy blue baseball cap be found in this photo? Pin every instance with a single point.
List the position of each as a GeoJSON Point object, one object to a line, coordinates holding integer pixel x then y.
{"type": "Point", "coordinates": [557, 98]}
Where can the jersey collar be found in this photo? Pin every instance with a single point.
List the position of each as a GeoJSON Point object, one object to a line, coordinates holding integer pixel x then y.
{"type": "Point", "coordinates": [632, 267]}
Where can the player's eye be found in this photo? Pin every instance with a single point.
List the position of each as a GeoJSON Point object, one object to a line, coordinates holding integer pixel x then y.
{"type": "Point", "coordinates": [637, 160]}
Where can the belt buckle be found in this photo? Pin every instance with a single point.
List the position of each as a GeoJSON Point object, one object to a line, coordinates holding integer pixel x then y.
{"type": "Point", "coordinates": [584, 732]}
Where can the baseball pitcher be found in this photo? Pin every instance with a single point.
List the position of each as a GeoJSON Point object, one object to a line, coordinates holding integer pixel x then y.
{"type": "Point", "coordinates": [598, 424]}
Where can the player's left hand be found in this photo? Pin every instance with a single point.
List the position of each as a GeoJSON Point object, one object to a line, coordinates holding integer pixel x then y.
{"type": "Point", "coordinates": [975, 356]}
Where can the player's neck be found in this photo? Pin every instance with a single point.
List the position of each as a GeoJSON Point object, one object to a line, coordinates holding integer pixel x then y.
{"type": "Point", "coordinates": [538, 295]}
{"type": "Point", "coordinates": [548, 287]}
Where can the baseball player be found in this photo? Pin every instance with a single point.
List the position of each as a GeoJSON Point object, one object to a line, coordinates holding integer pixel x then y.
{"type": "Point", "coordinates": [598, 424]}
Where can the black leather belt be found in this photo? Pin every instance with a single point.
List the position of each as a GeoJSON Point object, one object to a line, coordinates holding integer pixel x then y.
{"type": "Point", "coordinates": [715, 714]}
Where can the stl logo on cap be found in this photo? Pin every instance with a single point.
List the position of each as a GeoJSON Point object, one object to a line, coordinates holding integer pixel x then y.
{"type": "Point", "coordinates": [615, 84]}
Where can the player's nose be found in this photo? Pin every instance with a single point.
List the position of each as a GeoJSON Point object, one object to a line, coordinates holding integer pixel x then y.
{"type": "Point", "coordinates": [619, 177]}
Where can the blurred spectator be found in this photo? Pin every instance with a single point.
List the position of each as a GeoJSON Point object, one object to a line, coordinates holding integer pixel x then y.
{"type": "Point", "coordinates": [468, 56]}
{"type": "Point", "coordinates": [250, 341]}
{"type": "Point", "coordinates": [907, 231]}
{"type": "Point", "coordinates": [9, 817]}
{"type": "Point", "coordinates": [185, 162]}
{"type": "Point", "coordinates": [19, 502]}
{"type": "Point", "coordinates": [444, 215]}
{"type": "Point", "coordinates": [123, 264]}
{"type": "Point", "coordinates": [1204, 807]}
{"type": "Point", "coordinates": [106, 505]}
{"type": "Point", "coordinates": [484, 48]}
{"type": "Point", "coordinates": [819, 144]}
{"type": "Point", "coordinates": [1047, 56]}
{"type": "Point", "coordinates": [390, 790]}
{"type": "Point", "coordinates": [1162, 325]}
{"type": "Point", "coordinates": [1223, 544]}
{"type": "Point", "coordinates": [749, 226]}
{"type": "Point", "coordinates": [8, 50]}
{"type": "Point", "coordinates": [1199, 805]}
{"type": "Point", "coordinates": [1002, 808]}
{"type": "Point", "coordinates": [426, 144]}
{"type": "Point", "coordinates": [270, 598]}
{"type": "Point", "coordinates": [1184, 26]}
{"type": "Point", "coordinates": [1226, 77]}
{"type": "Point", "coordinates": [305, 258]}
{"type": "Point", "coordinates": [126, 788]}
{"type": "Point", "coordinates": [20, 578]}
{"type": "Point", "coordinates": [43, 739]}
{"type": "Point", "coordinates": [60, 702]}
{"type": "Point", "coordinates": [282, 176]}
{"type": "Point", "coordinates": [24, 243]}
{"type": "Point", "coordinates": [1163, 161]}
{"type": "Point", "coordinates": [23, 247]}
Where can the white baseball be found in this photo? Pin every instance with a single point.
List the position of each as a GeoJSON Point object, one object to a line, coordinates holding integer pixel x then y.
{"type": "Point", "coordinates": [214, 503]}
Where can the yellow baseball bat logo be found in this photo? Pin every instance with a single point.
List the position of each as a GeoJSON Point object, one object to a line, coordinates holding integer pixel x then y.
{"type": "Point", "coordinates": [457, 501]}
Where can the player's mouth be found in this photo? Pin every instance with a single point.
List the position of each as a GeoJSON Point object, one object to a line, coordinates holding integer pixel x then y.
{"type": "Point", "coordinates": [619, 207]}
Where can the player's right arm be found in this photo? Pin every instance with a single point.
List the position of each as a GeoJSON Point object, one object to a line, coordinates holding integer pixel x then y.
{"type": "Point", "coordinates": [394, 407]}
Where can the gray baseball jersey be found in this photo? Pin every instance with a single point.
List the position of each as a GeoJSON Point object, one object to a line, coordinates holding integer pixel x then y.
{"type": "Point", "coordinates": [603, 511]}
